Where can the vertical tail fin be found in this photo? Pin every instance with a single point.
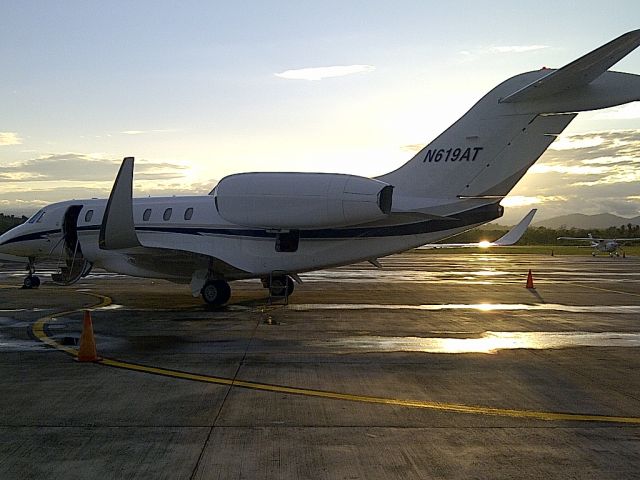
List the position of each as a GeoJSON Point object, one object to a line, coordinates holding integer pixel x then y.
{"type": "Point", "coordinates": [486, 152]}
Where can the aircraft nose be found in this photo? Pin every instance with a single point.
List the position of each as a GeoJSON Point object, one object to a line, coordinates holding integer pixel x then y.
{"type": "Point", "coordinates": [7, 247]}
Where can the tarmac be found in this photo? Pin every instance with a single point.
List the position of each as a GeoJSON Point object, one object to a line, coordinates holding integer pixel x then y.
{"type": "Point", "coordinates": [437, 366]}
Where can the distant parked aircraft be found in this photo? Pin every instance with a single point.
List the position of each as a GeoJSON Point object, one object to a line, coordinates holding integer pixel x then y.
{"type": "Point", "coordinates": [604, 245]}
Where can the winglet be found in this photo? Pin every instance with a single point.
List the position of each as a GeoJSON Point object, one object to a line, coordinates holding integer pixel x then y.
{"type": "Point", "coordinates": [580, 72]}
{"type": "Point", "coordinates": [117, 230]}
{"type": "Point", "coordinates": [513, 235]}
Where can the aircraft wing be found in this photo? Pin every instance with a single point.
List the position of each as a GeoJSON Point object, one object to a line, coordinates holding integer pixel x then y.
{"type": "Point", "coordinates": [513, 235]}
{"type": "Point", "coordinates": [117, 232]}
{"type": "Point", "coordinates": [13, 259]}
{"type": "Point", "coordinates": [509, 238]}
{"type": "Point", "coordinates": [580, 72]}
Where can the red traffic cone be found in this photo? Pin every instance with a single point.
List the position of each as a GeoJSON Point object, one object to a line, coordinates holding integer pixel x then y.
{"type": "Point", "coordinates": [530, 280]}
{"type": "Point", "coordinates": [87, 351]}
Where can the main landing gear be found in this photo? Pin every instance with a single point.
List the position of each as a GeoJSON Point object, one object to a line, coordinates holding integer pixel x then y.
{"type": "Point", "coordinates": [31, 281]}
{"type": "Point", "coordinates": [280, 286]}
{"type": "Point", "coordinates": [216, 292]}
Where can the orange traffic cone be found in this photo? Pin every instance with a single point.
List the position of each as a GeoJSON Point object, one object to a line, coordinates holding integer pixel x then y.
{"type": "Point", "coordinates": [530, 280]}
{"type": "Point", "coordinates": [87, 351]}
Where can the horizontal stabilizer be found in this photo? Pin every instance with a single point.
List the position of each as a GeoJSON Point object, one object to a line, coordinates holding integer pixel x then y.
{"type": "Point", "coordinates": [117, 230]}
{"type": "Point", "coordinates": [580, 72]}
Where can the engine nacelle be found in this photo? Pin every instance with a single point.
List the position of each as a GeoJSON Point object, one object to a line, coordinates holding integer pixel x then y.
{"type": "Point", "coordinates": [301, 200]}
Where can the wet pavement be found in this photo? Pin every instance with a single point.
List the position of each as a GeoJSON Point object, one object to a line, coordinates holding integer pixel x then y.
{"type": "Point", "coordinates": [437, 366]}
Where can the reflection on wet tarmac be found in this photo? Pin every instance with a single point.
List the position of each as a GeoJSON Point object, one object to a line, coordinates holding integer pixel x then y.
{"type": "Point", "coordinates": [113, 306]}
{"type": "Point", "coordinates": [483, 307]}
{"type": "Point", "coordinates": [9, 344]}
{"type": "Point", "coordinates": [489, 342]}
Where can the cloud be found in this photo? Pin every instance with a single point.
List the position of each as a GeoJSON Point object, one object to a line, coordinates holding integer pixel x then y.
{"type": "Point", "coordinates": [413, 147]}
{"type": "Point", "coordinates": [9, 138]}
{"type": "Point", "coordinates": [516, 48]}
{"type": "Point", "coordinates": [319, 73]}
{"type": "Point", "coordinates": [82, 167]}
{"type": "Point", "coordinates": [524, 201]}
{"type": "Point", "coordinates": [144, 132]}
{"type": "Point", "coordinates": [568, 169]}
{"type": "Point", "coordinates": [500, 49]}
{"type": "Point", "coordinates": [630, 111]}
{"type": "Point", "coordinates": [574, 143]}
{"type": "Point", "coordinates": [28, 185]}
{"type": "Point", "coordinates": [593, 172]}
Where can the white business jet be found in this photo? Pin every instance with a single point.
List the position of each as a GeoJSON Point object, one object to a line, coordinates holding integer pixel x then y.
{"type": "Point", "coordinates": [274, 226]}
{"type": "Point", "coordinates": [612, 246]}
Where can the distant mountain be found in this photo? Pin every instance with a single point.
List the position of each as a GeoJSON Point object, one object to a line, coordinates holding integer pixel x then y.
{"type": "Point", "coordinates": [578, 220]}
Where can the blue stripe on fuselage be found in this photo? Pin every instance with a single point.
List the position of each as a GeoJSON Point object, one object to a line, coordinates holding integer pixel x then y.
{"type": "Point", "coordinates": [481, 214]}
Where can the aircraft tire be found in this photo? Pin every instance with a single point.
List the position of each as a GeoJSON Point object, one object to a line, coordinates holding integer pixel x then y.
{"type": "Point", "coordinates": [31, 281]}
{"type": "Point", "coordinates": [278, 286]}
{"type": "Point", "coordinates": [216, 292]}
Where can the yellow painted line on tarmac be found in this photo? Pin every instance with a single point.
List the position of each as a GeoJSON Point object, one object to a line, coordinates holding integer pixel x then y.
{"type": "Point", "coordinates": [38, 326]}
{"type": "Point", "coordinates": [39, 332]}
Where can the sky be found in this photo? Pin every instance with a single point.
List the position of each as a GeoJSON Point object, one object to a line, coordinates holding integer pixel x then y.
{"type": "Point", "coordinates": [197, 90]}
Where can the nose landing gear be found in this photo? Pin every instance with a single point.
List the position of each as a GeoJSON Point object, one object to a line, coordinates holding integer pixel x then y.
{"type": "Point", "coordinates": [31, 281]}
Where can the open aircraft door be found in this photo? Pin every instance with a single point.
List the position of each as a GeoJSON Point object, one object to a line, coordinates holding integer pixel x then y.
{"type": "Point", "coordinates": [72, 265]}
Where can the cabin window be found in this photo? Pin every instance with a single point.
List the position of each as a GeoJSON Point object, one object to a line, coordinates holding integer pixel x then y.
{"type": "Point", "coordinates": [167, 214]}
{"type": "Point", "coordinates": [88, 215]}
{"type": "Point", "coordinates": [188, 213]}
{"type": "Point", "coordinates": [146, 215]}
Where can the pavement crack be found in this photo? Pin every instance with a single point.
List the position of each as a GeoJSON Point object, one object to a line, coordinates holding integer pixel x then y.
{"type": "Point", "coordinates": [226, 395]}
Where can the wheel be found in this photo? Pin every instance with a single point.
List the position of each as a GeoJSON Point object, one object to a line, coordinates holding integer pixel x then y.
{"type": "Point", "coordinates": [35, 281]}
{"type": "Point", "coordinates": [216, 292]}
{"type": "Point", "coordinates": [28, 282]}
{"type": "Point", "coordinates": [278, 286]}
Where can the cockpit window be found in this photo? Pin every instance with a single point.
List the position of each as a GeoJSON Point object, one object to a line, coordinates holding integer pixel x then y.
{"type": "Point", "coordinates": [39, 219]}
{"type": "Point", "coordinates": [35, 216]}
{"type": "Point", "coordinates": [88, 215]}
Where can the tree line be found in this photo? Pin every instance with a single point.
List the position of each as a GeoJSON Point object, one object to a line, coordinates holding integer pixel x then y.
{"type": "Point", "coordinates": [7, 222]}
{"type": "Point", "coordinates": [548, 236]}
